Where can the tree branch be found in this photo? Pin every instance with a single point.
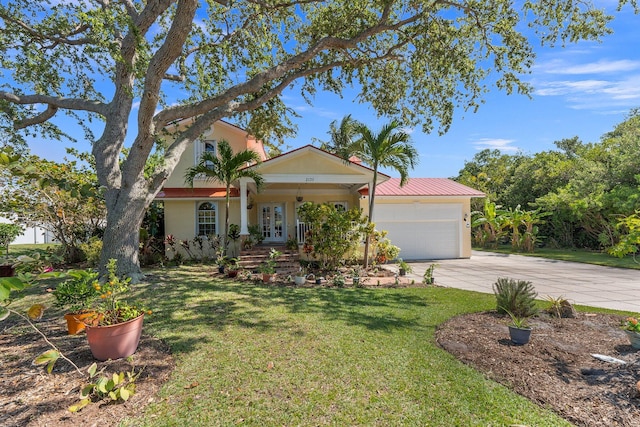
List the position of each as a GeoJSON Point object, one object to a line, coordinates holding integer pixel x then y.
{"type": "Point", "coordinates": [53, 103]}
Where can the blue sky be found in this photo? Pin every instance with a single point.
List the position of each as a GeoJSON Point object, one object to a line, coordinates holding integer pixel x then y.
{"type": "Point", "coordinates": [582, 90]}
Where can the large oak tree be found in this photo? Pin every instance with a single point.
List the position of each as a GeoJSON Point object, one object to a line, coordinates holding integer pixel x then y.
{"type": "Point", "coordinates": [121, 61]}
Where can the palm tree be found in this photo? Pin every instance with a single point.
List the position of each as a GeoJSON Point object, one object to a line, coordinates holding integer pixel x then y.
{"type": "Point", "coordinates": [342, 137]}
{"type": "Point", "coordinates": [390, 148]}
{"type": "Point", "coordinates": [225, 167]}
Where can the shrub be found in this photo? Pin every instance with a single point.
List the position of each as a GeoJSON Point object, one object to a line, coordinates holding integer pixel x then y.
{"type": "Point", "coordinates": [91, 251]}
{"type": "Point", "coordinates": [515, 296]}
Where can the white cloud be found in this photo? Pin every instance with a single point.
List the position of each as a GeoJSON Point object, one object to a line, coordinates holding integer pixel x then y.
{"type": "Point", "coordinates": [495, 144]}
{"type": "Point", "coordinates": [560, 66]}
{"type": "Point", "coordinates": [319, 111]}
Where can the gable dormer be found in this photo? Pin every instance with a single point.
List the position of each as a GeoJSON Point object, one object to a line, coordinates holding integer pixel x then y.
{"type": "Point", "coordinates": [238, 138]}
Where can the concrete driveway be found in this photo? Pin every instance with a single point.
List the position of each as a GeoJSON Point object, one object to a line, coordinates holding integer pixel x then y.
{"type": "Point", "coordinates": [585, 284]}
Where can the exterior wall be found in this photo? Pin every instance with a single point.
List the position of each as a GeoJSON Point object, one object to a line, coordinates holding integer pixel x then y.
{"type": "Point", "coordinates": [310, 162]}
{"type": "Point", "coordinates": [289, 200]}
{"type": "Point", "coordinates": [465, 203]}
{"type": "Point", "coordinates": [237, 138]}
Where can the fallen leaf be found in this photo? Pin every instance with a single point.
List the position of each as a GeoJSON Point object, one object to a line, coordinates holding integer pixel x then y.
{"type": "Point", "coordinates": [192, 385]}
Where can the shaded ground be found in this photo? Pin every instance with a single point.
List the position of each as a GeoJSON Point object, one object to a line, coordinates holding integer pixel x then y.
{"type": "Point", "coordinates": [30, 397]}
{"type": "Point", "coordinates": [556, 368]}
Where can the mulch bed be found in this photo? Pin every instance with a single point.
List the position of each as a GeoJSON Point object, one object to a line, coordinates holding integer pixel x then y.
{"type": "Point", "coordinates": [31, 397]}
{"type": "Point", "coordinates": [556, 369]}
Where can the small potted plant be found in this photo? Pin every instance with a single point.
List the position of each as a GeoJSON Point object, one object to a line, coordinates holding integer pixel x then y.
{"type": "Point", "coordinates": [519, 329]}
{"type": "Point", "coordinates": [77, 294]}
{"type": "Point", "coordinates": [403, 267]}
{"type": "Point", "coordinates": [356, 273]}
{"type": "Point", "coordinates": [268, 267]}
{"type": "Point", "coordinates": [428, 278]}
{"type": "Point", "coordinates": [631, 327]}
{"type": "Point", "coordinates": [115, 330]}
{"type": "Point", "coordinates": [300, 278]}
{"type": "Point", "coordinates": [232, 267]}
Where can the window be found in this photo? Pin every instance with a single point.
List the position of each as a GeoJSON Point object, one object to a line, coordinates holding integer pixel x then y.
{"type": "Point", "coordinates": [340, 206]}
{"type": "Point", "coordinates": [206, 220]}
{"type": "Point", "coordinates": [210, 147]}
{"type": "Point", "coordinates": [206, 146]}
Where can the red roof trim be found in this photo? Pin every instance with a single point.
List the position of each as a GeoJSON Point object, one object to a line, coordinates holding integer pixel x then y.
{"type": "Point", "coordinates": [190, 193]}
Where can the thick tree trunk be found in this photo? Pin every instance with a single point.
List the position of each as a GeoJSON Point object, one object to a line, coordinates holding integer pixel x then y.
{"type": "Point", "coordinates": [121, 239]}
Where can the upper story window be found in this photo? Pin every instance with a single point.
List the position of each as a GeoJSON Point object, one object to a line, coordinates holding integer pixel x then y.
{"type": "Point", "coordinates": [206, 146]}
{"type": "Point", "coordinates": [207, 219]}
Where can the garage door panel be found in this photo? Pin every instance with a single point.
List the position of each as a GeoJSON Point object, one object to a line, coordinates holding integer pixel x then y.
{"type": "Point", "coordinates": [422, 231]}
{"type": "Point", "coordinates": [424, 240]}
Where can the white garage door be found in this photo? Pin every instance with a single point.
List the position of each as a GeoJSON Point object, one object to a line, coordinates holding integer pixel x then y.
{"type": "Point", "coordinates": [422, 231]}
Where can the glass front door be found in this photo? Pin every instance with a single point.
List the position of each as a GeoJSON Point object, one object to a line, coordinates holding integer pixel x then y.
{"type": "Point", "coordinates": [272, 222]}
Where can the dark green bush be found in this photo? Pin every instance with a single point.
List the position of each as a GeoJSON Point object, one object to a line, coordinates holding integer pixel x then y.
{"type": "Point", "coordinates": [515, 296]}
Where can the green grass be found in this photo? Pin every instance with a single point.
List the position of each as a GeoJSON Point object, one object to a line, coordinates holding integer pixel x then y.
{"type": "Point", "coordinates": [575, 255]}
{"type": "Point", "coordinates": [254, 354]}
{"type": "Point", "coordinates": [29, 248]}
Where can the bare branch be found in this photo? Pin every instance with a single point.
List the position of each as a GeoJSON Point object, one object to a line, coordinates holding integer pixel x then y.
{"type": "Point", "coordinates": [55, 102]}
{"type": "Point", "coordinates": [40, 118]}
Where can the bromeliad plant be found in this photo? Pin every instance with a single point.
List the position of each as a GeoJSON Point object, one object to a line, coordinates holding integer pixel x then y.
{"type": "Point", "coordinates": [112, 308]}
{"type": "Point", "coordinates": [631, 324]}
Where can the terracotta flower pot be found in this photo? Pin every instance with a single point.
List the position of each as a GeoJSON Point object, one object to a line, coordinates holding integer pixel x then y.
{"type": "Point", "coordinates": [232, 273]}
{"type": "Point", "coordinates": [76, 321]}
{"type": "Point", "coordinates": [115, 341]}
{"type": "Point", "coordinates": [266, 277]}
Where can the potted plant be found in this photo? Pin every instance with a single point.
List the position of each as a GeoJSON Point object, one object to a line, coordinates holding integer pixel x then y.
{"type": "Point", "coordinates": [114, 332]}
{"type": "Point", "coordinates": [428, 278]}
{"type": "Point", "coordinates": [77, 294]}
{"type": "Point", "coordinates": [8, 233]}
{"type": "Point", "coordinates": [268, 267]}
{"type": "Point", "coordinates": [403, 267]}
{"type": "Point", "coordinates": [631, 327]}
{"type": "Point", "coordinates": [232, 267]}
{"type": "Point", "coordinates": [300, 278]}
{"type": "Point", "coordinates": [519, 329]}
{"type": "Point", "coordinates": [356, 273]}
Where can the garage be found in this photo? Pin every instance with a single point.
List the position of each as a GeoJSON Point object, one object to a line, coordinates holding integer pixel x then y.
{"type": "Point", "coordinates": [427, 218]}
{"type": "Point", "coordinates": [422, 231]}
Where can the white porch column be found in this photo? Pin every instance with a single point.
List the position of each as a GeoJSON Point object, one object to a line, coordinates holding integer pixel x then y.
{"type": "Point", "coordinates": [244, 230]}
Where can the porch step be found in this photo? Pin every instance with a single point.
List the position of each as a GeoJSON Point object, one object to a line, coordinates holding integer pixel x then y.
{"type": "Point", "coordinates": [286, 263]}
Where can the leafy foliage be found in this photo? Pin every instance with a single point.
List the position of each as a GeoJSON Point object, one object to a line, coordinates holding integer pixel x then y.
{"type": "Point", "coordinates": [63, 198]}
{"type": "Point", "coordinates": [8, 233]}
{"type": "Point", "coordinates": [332, 233]}
{"type": "Point", "coordinates": [515, 296]}
{"type": "Point", "coordinates": [114, 388]}
{"type": "Point", "coordinates": [78, 291]}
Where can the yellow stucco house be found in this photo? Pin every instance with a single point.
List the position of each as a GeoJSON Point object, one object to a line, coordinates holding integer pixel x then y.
{"type": "Point", "coordinates": [429, 218]}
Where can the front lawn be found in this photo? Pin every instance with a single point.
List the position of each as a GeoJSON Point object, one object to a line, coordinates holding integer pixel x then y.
{"type": "Point", "coordinates": [254, 354]}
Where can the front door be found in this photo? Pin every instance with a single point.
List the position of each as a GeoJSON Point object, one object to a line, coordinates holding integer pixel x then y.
{"type": "Point", "coordinates": [272, 222]}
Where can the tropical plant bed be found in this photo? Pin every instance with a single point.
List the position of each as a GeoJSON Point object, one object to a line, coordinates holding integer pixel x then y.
{"type": "Point", "coordinates": [556, 368]}
{"type": "Point", "coordinates": [30, 397]}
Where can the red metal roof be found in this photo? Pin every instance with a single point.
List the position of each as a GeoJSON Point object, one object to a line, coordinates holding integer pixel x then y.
{"type": "Point", "coordinates": [424, 187]}
{"type": "Point", "coordinates": [185, 193]}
